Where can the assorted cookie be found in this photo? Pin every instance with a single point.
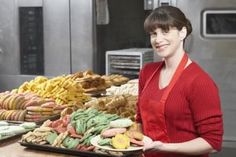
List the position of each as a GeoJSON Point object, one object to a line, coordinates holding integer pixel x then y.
{"type": "Point", "coordinates": [120, 135]}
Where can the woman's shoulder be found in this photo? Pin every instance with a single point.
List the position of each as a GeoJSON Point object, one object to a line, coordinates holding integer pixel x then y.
{"type": "Point", "coordinates": [197, 70]}
{"type": "Point", "coordinates": [198, 74]}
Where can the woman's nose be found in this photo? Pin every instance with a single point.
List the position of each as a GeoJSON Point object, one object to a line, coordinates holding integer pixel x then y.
{"type": "Point", "coordinates": [159, 38]}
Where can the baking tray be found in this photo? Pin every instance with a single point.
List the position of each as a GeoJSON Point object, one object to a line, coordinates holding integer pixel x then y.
{"type": "Point", "coordinates": [15, 135]}
{"type": "Point", "coordinates": [73, 151]}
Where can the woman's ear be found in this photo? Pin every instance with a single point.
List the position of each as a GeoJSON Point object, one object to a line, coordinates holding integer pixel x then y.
{"type": "Point", "coordinates": [183, 33]}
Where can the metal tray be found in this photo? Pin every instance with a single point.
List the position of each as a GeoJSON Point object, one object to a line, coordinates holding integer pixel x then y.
{"type": "Point", "coordinates": [73, 151]}
{"type": "Point", "coordinates": [125, 67]}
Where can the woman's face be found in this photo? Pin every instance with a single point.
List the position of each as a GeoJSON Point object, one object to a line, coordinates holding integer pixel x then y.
{"type": "Point", "coordinates": [165, 44]}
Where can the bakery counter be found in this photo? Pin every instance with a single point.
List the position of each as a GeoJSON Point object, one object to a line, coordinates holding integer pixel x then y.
{"type": "Point", "coordinates": [11, 148]}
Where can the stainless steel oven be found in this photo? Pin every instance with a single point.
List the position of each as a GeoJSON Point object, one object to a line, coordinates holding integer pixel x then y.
{"type": "Point", "coordinates": [219, 23]}
{"type": "Point", "coordinates": [44, 37]}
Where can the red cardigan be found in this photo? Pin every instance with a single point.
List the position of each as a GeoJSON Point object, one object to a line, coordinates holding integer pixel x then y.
{"type": "Point", "coordinates": [192, 109]}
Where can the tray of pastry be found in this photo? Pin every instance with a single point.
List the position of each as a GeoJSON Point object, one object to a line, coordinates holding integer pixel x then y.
{"type": "Point", "coordinates": [95, 153]}
{"type": "Point", "coordinates": [10, 129]}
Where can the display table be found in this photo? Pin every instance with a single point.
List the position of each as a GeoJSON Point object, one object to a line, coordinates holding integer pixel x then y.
{"type": "Point", "coordinates": [11, 148]}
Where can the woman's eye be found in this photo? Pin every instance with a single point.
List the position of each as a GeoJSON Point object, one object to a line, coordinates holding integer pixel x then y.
{"type": "Point", "coordinates": [152, 34]}
{"type": "Point", "coordinates": [165, 31]}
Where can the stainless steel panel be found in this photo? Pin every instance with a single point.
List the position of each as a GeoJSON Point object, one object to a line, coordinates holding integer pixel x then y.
{"type": "Point", "coordinates": [56, 37]}
{"type": "Point", "coordinates": [82, 35]}
{"type": "Point", "coordinates": [216, 56]}
{"type": "Point", "coordinates": [30, 3]}
{"type": "Point", "coordinates": [9, 45]}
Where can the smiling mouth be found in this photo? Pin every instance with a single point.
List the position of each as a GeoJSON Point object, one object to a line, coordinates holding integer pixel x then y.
{"type": "Point", "coordinates": [161, 46]}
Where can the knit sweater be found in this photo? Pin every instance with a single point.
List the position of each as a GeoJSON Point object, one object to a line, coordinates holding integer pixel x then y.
{"type": "Point", "coordinates": [192, 109]}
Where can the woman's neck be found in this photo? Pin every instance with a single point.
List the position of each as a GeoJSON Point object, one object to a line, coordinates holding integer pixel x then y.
{"type": "Point", "coordinates": [172, 62]}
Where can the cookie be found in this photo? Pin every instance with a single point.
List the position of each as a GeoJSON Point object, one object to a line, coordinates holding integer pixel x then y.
{"type": "Point", "coordinates": [48, 105]}
{"type": "Point", "coordinates": [28, 125]}
{"type": "Point", "coordinates": [39, 113]}
{"type": "Point", "coordinates": [112, 132]}
{"type": "Point", "coordinates": [135, 135]}
{"type": "Point", "coordinates": [121, 123]}
{"type": "Point", "coordinates": [39, 109]}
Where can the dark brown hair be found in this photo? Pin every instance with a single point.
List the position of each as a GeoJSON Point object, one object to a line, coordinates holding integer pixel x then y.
{"type": "Point", "coordinates": [165, 17]}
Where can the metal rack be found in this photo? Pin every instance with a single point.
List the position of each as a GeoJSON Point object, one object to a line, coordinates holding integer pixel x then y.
{"type": "Point", "coordinates": [127, 62]}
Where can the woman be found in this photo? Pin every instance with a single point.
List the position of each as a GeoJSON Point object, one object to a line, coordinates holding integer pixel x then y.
{"type": "Point", "coordinates": [179, 104]}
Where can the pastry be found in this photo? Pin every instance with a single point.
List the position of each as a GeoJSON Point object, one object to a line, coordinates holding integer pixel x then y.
{"type": "Point", "coordinates": [112, 132]}
{"type": "Point", "coordinates": [121, 123]}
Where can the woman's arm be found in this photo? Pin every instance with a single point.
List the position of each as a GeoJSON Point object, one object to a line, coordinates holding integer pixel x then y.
{"type": "Point", "coordinates": [194, 147]}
